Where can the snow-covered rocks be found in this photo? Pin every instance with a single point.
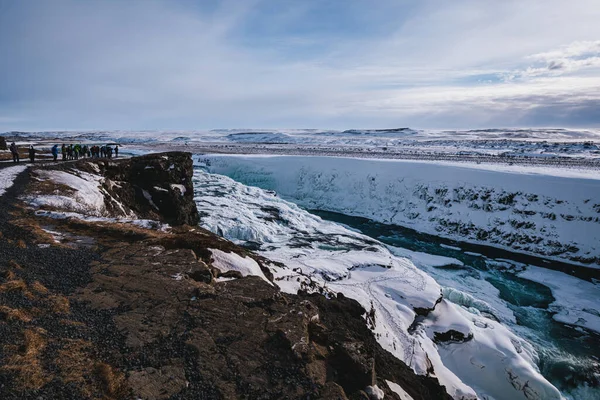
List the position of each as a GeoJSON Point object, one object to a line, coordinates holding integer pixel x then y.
{"type": "Point", "coordinates": [234, 262]}
{"type": "Point", "coordinates": [577, 301]}
{"type": "Point", "coordinates": [122, 189]}
{"type": "Point", "coordinates": [81, 192]}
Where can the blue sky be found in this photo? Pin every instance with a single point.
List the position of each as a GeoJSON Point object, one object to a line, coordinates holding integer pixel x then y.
{"type": "Point", "coordinates": [187, 64]}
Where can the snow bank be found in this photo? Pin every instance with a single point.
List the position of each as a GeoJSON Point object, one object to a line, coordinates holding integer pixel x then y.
{"type": "Point", "coordinates": [234, 262]}
{"type": "Point", "coordinates": [326, 257]}
{"type": "Point", "coordinates": [8, 175]}
{"type": "Point", "coordinates": [394, 387]}
{"type": "Point", "coordinates": [531, 211]}
{"type": "Point", "coordinates": [87, 195]}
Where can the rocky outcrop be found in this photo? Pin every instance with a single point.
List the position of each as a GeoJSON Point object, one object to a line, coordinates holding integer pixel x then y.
{"type": "Point", "coordinates": [115, 311]}
{"type": "Point", "coordinates": [154, 186]}
{"type": "Point", "coordinates": [146, 318]}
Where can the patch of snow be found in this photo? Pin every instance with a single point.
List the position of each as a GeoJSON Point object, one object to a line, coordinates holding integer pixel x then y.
{"type": "Point", "coordinates": [148, 197]}
{"type": "Point", "coordinates": [394, 387]}
{"type": "Point", "coordinates": [88, 196]}
{"type": "Point", "coordinates": [374, 392]}
{"type": "Point", "coordinates": [8, 175]}
{"type": "Point", "coordinates": [178, 276]}
{"type": "Point", "coordinates": [425, 259]}
{"type": "Point", "coordinates": [142, 223]}
{"type": "Point", "coordinates": [450, 247]}
{"type": "Point", "coordinates": [234, 262]}
{"type": "Point", "coordinates": [181, 188]}
{"type": "Point", "coordinates": [224, 279]}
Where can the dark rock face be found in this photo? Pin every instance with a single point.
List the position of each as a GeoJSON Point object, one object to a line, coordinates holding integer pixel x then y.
{"type": "Point", "coordinates": [451, 336]}
{"type": "Point", "coordinates": [154, 186]}
{"type": "Point", "coordinates": [3, 143]}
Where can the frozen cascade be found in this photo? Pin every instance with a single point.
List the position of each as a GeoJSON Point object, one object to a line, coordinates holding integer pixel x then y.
{"type": "Point", "coordinates": [328, 257]}
{"type": "Point", "coordinates": [547, 212]}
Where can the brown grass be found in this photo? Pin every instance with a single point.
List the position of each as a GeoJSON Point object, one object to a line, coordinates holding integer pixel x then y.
{"type": "Point", "coordinates": [25, 361]}
{"type": "Point", "coordinates": [39, 288]}
{"type": "Point", "coordinates": [14, 264]}
{"type": "Point", "coordinates": [21, 244]}
{"type": "Point", "coordinates": [74, 361]}
{"type": "Point", "coordinates": [13, 314]}
{"type": "Point", "coordinates": [112, 382]}
{"type": "Point", "coordinates": [14, 285]}
{"type": "Point", "coordinates": [69, 322]}
{"type": "Point", "coordinates": [33, 227]}
{"type": "Point", "coordinates": [59, 304]}
{"type": "Point", "coordinates": [8, 275]}
{"type": "Point", "coordinates": [77, 365]}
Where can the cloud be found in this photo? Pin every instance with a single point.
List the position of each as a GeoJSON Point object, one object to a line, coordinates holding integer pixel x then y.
{"type": "Point", "coordinates": [189, 65]}
{"type": "Point", "coordinates": [567, 59]}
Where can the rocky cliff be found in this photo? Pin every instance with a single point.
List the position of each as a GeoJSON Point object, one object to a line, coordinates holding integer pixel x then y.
{"type": "Point", "coordinates": [99, 307]}
{"type": "Point", "coordinates": [155, 186]}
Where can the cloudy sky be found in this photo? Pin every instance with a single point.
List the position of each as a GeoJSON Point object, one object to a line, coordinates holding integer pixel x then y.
{"type": "Point", "coordinates": [200, 64]}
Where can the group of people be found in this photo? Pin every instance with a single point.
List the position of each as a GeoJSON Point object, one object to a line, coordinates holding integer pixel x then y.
{"type": "Point", "coordinates": [70, 152]}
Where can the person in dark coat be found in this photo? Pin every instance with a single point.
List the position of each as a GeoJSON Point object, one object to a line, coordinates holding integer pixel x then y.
{"type": "Point", "coordinates": [31, 153]}
{"type": "Point", "coordinates": [116, 151]}
{"type": "Point", "coordinates": [55, 152]}
{"type": "Point", "coordinates": [15, 152]}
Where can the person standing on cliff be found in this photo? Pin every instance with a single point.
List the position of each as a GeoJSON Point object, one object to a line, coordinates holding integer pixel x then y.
{"type": "Point", "coordinates": [116, 151]}
{"type": "Point", "coordinates": [55, 152]}
{"type": "Point", "coordinates": [31, 153]}
{"type": "Point", "coordinates": [15, 152]}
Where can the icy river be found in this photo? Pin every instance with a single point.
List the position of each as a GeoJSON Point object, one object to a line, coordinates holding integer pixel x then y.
{"type": "Point", "coordinates": [549, 306]}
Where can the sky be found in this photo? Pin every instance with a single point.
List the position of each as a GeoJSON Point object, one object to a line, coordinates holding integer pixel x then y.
{"type": "Point", "coordinates": [336, 64]}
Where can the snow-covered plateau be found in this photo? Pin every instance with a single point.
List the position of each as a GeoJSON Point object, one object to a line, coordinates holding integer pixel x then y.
{"type": "Point", "coordinates": [546, 212]}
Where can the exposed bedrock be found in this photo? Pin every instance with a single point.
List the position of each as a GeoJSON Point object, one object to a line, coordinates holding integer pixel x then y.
{"type": "Point", "coordinates": [154, 186]}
